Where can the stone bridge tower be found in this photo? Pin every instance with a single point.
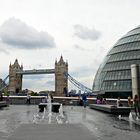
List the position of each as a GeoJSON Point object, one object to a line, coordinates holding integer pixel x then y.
{"type": "Point", "coordinates": [15, 80]}
{"type": "Point", "coordinates": [61, 81]}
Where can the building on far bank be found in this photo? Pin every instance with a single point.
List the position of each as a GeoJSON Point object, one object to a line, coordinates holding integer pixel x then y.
{"type": "Point", "coordinates": [113, 77]}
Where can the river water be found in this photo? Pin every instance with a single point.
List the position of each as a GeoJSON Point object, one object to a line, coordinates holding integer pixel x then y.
{"type": "Point", "coordinates": [102, 125]}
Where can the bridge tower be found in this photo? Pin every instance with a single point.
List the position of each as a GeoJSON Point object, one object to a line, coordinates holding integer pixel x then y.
{"type": "Point", "coordinates": [15, 80]}
{"type": "Point", "coordinates": [61, 82]}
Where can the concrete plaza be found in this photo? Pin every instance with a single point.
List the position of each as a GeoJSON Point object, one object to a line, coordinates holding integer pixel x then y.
{"type": "Point", "coordinates": [51, 132]}
{"type": "Point", "coordinates": [16, 123]}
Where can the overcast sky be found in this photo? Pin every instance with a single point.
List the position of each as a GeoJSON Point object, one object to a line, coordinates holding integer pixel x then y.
{"type": "Point", "coordinates": [37, 32]}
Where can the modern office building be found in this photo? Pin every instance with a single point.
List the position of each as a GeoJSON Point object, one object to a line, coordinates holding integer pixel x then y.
{"type": "Point", "coordinates": [113, 77]}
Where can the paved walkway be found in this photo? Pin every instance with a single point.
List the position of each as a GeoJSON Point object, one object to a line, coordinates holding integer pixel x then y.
{"type": "Point", "coordinates": [17, 123]}
{"type": "Point", "coordinates": [51, 132]}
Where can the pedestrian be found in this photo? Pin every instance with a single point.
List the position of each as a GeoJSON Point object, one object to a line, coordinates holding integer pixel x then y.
{"type": "Point", "coordinates": [98, 100]}
{"type": "Point", "coordinates": [104, 101]}
{"type": "Point", "coordinates": [44, 99]}
{"type": "Point", "coordinates": [84, 98]}
{"type": "Point", "coordinates": [136, 102]}
{"type": "Point", "coordinates": [1, 97]}
{"type": "Point", "coordinates": [8, 99]}
{"type": "Point", "coordinates": [119, 102]}
{"type": "Point", "coordinates": [101, 99]}
{"type": "Point", "coordinates": [52, 99]}
{"type": "Point", "coordinates": [80, 100]}
{"type": "Point", "coordinates": [28, 101]}
{"type": "Point", "coordinates": [130, 103]}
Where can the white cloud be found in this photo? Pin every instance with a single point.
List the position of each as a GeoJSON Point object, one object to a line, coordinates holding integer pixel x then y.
{"type": "Point", "coordinates": [79, 47]}
{"type": "Point", "coordinates": [18, 34]}
{"type": "Point", "coordinates": [86, 33]}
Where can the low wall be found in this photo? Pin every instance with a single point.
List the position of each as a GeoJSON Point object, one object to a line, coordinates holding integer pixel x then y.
{"type": "Point", "coordinates": [35, 100]}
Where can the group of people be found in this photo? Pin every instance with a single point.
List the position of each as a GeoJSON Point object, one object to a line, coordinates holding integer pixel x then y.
{"type": "Point", "coordinates": [135, 102]}
{"type": "Point", "coordinates": [44, 99]}
{"type": "Point", "coordinates": [100, 100]}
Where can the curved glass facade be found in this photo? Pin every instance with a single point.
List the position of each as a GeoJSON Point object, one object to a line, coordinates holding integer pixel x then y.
{"type": "Point", "coordinates": [114, 75]}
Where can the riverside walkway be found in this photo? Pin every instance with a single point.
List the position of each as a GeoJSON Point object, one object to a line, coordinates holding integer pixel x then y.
{"type": "Point", "coordinates": [16, 123]}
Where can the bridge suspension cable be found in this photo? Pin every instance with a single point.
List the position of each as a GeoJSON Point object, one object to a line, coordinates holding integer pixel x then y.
{"type": "Point", "coordinates": [77, 84]}
{"type": "Point", "coordinates": [3, 85]}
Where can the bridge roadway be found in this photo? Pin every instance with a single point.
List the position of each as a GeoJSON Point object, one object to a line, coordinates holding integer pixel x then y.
{"type": "Point", "coordinates": [36, 71]}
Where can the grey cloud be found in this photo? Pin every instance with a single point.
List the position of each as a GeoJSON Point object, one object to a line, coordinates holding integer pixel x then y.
{"type": "Point", "coordinates": [79, 47]}
{"type": "Point", "coordinates": [4, 51]}
{"type": "Point", "coordinates": [86, 33]}
{"type": "Point", "coordinates": [18, 34]}
{"type": "Point", "coordinates": [82, 72]}
{"type": "Point", "coordinates": [3, 48]}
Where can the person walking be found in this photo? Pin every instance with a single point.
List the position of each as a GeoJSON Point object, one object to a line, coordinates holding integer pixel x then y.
{"type": "Point", "coordinates": [130, 103]}
{"type": "Point", "coordinates": [84, 98]}
{"type": "Point", "coordinates": [52, 99]}
{"type": "Point", "coordinates": [136, 101]}
{"type": "Point", "coordinates": [119, 102]}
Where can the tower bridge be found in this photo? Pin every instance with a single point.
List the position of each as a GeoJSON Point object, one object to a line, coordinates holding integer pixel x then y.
{"type": "Point", "coordinates": [60, 71]}
{"type": "Point", "coordinates": [16, 74]}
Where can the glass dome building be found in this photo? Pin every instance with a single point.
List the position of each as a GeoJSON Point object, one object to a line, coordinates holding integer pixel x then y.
{"type": "Point", "coordinates": [113, 77]}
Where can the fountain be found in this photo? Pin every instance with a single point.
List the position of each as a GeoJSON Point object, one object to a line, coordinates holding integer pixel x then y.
{"type": "Point", "coordinates": [61, 111]}
{"type": "Point", "coordinates": [130, 116]}
{"type": "Point", "coordinates": [119, 117]}
{"type": "Point", "coordinates": [61, 118]}
{"type": "Point", "coordinates": [137, 118]}
{"type": "Point", "coordinates": [49, 107]}
{"type": "Point", "coordinates": [51, 112]}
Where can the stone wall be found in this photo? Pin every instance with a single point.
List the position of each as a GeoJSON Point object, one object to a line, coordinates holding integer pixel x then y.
{"type": "Point", "coordinates": [35, 100]}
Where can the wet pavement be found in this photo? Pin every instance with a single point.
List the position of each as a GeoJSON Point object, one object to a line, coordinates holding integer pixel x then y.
{"type": "Point", "coordinates": [101, 125]}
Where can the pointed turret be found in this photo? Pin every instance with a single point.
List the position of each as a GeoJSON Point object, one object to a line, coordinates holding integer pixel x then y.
{"type": "Point", "coordinates": [21, 66]}
{"type": "Point", "coordinates": [61, 61]}
{"type": "Point", "coordinates": [16, 64]}
{"type": "Point", "coordinates": [55, 61]}
{"type": "Point", "coordinates": [16, 61]}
